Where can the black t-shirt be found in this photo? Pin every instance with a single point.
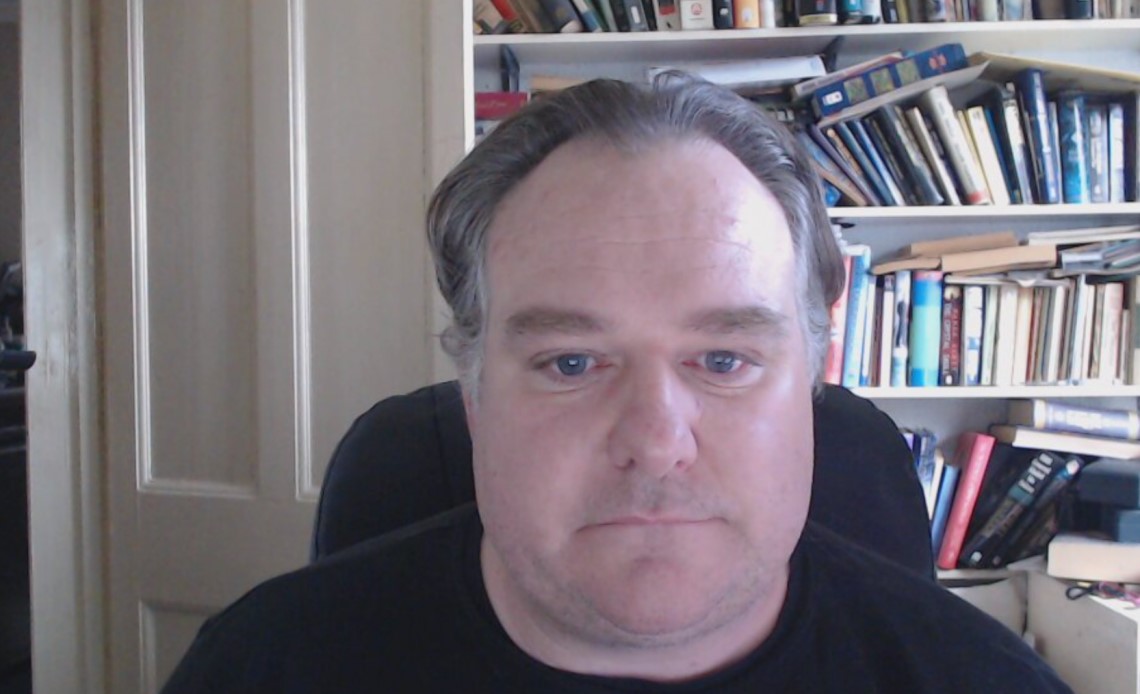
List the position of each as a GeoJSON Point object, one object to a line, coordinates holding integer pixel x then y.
{"type": "Point", "coordinates": [409, 613]}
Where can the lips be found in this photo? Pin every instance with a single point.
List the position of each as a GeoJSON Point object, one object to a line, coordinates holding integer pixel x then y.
{"type": "Point", "coordinates": [654, 520]}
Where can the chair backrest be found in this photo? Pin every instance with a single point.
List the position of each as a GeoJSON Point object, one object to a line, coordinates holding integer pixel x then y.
{"type": "Point", "coordinates": [409, 458]}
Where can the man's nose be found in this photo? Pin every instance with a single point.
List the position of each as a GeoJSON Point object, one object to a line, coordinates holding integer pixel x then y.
{"type": "Point", "coordinates": [654, 430]}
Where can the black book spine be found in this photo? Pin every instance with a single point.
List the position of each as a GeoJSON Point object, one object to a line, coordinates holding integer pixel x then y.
{"type": "Point", "coordinates": [722, 14]}
{"type": "Point", "coordinates": [882, 144]}
{"type": "Point", "coordinates": [1132, 147]}
{"type": "Point", "coordinates": [906, 149]}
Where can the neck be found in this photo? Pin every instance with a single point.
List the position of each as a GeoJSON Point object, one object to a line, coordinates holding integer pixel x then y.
{"type": "Point", "coordinates": [609, 652]}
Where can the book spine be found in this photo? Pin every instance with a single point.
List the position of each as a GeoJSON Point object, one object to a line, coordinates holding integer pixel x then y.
{"type": "Point", "coordinates": [872, 151]}
{"type": "Point", "coordinates": [1111, 326]}
{"type": "Point", "coordinates": [974, 455]}
{"type": "Point", "coordinates": [746, 14]}
{"type": "Point", "coordinates": [979, 551]}
{"type": "Point", "coordinates": [900, 340]}
{"type": "Point", "coordinates": [1116, 140]}
{"type": "Point", "coordinates": [856, 316]}
{"type": "Point", "coordinates": [607, 14]}
{"type": "Point", "coordinates": [834, 147]}
{"type": "Point", "coordinates": [932, 152]}
{"type": "Point", "coordinates": [850, 11]}
{"type": "Point", "coordinates": [890, 11]}
{"type": "Point", "coordinates": [882, 144]}
{"type": "Point", "coordinates": [1008, 546]}
{"type": "Point", "coordinates": [925, 327]}
{"type": "Point", "coordinates": [1132, 151]}
{"type": "Point", "coordinates": [992, 169]}
{"type": "Point", "coordinates": [696, 15]}
{"type": "Point", "coordinates": [514, 22]}
{"type": "Point", "coordinates": [1006, 339]}
{"type": "Point", "coordinates": [886, 332]}
{"type": "Point", "coordinates": [887, 78]}
{"type": "Point", "coordinates": [946, 491]}
{"type": "Point", "coordinates": [1097, 142]}
{"type": "Point", "coordinates": [864, 162]}
{"type": "Point", "coordinates": [723, 12]}
{"type": "Point", "coordinates": [814, 12]}
{"type": "Point", "coordinates": [936, 103]}
{"type": "Point", "coordinates": [488, 19]}
{"type": "Point", "coordinates": [833, 366]}
{"type": "Point", "coordinates": [870, 299]}
{"type": "Point", "coordinates": [950, 364]}
{"type": "Point", "coordinates": [635, 15]}
{"type": "Point", "coordinates": [1030, 86]}
{"type": "Point", "coordinates": [1072, 115]}
{"type": "Point", "coordinates": [562, 16]}
{"type": "Point", "coordinates": [590, 20]}
{"type": "Point", "coordinates": [989, 333]}
{"type": "Point", "coordinates": [1057, 416]}
{"type": "Point", "coordinates": [1016, 147]}
{"type": "Point", "coordinates": [668, 17]}
{"type": "Point", "coordinates": [648, 7]}
{"type": "Point", "coordinates": [912, 159]}
{"type": "Point", "coordinates": [972, 324]}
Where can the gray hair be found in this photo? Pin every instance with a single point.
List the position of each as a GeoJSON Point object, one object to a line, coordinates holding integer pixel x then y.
{"type": "Point", "coordinates": [627, 116]}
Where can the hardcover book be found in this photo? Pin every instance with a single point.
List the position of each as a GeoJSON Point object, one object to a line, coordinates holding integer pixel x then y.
{"type": "Point", "coordinates": [936, 104]}
{"type": "Point", "coordinates": [1025, 437]}
{"type": "Point", "coordinates": [925, 327]}
{"type": "Point", "coordinates": [891, 121]}
{"type": "Point", "coordinates": [1064, 417]}
{"type": "Point", "coordinates": [1072, 115]}
{"type": "Point", "coordinates": [972, 458]}
{"type": "Point", "coordinates": [1030, 87]}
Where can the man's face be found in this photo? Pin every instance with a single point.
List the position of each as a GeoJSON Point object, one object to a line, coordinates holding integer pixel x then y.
{"type": "Point", "coordinates": [643, 425]}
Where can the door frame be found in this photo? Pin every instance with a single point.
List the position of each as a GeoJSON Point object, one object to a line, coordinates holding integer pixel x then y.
{"type": "Point", "coordinates": [65, 461]}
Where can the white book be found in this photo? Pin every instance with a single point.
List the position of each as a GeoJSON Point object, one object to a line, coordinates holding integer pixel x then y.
{"type": "Point", "coordinates": [1111, 318]}
{"type": "Point", "coordinates": [1022, 332]}
{"type": "Point", "coordinates": [900, 348]}
{"type": "Point", "coordinates": [1006, 339]}
{"type": "Point", "coordinates": [667, 21]}
{"type": "Point", "coordinates": [936, 103]}
{"type": "Point", "coordinates": [751, 73]}
{"type": "Point", "coordinates": [1076, 330]}
{"type": "Point", "coordinates": [696, 15]}
{"type": "Point", "coordinates": [1123, 370]}
{"type": "Point", "coordinates": [942, 177]}
{"type": "Point", "coordinates": [1059, 299]}
{"type": "Point", "coordinates": [987, 154]}
{"type": "Point", "coordinates": [989, 332]}
{"type": "Point", "coordinates": [1088, 558]}
{"type": "Point", "coordinates": [971, 336]}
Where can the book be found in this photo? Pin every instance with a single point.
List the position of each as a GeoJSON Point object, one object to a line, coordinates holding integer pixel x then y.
{"type": "Point", "coordinates": [1005, 342]}
{"type": "Point", "coordinates": [806, 88]}
{"type": "Point", "coordinates": [837, 150]}
{"type": "Point", "coordinates": [950, 80]}
{"type": "Point", "coordinates": [696, 15]}
{"type": "Point", "coordinates": [650, 10]}
{"type": "Point", "coordinates": [856, 315]}
{"type": "Point", "coordinates": [1072, 116]}
{"type": "Point", "coordinates": [668, 17]}
{"type": "Point", "coordinates": [972, 456]}
{"type": "Point", "coordinates": [1001, 104]}
{"type": "Point", "coordinates": [829, 170]}
{"type": "Point", "coordinates": [591, 22]}
{"type": "Point", "coordinates": [946, 490]}
{"type": "Point", "coordinates": [1022, 335]}
{"type": "Point", "coordinates": [515, 24]}
{"type": "Point", "coordinates": [1083, 557]}
{"type": "Point", "coordinates": [864, 139]}
{"type": "Point", "coordinates": [949, 351]}
{"type": "Point", "coordinates": [746, 14]}
{"type": "Point", "coordinates": [973, 297]}
{"type": "Point", "coordinates": [925, 328]}
{"type": "Point", "coordinates": [894, 166]}
{"type": "Point", "coordinates": [1025, 437]}
{"type": "Point", "coordinates": [1111, 481]}
{"type": "Point", "coordinates": [488, 19]}
{"type": "Point", "coordinates": [843, 131]}
{"type": "Point", "coordinates": [1078, 419]}
{"type": "Point", "coordinates": [562, 16]}
{"type": "Point", "coordinates": [1097, 143]}
{"type": "Point", "coordinates": [985, 260]}
{"type": "Point", "coordinates": [1116, 142]}
{"type": "Point", "coordinates": [992, 169]}
{"type": "Point", "coordinates": [1030, 85]}
{"type": "Point", "coordinates": [1022, 538]}
{"type": "Point", "coordinates": [886, 331]}
{"type": "Point", "coordinates": [979, 550]}
{"type": "Point", "coordinates": [1006, 466]}
{"type": "Point", "coordinates": [723, 14]}
{"type": "Point", "coordinates": [866, 359]}
{"type": "Point", "coordinates": [1131, 108]}
{"type": "Point", "coordinates": [750, 74]}
{"type": "Point", "coordinates": [928, 466]}
{"type": "Point", "coordinates": [900, 348]}
{"type": "Point", "coordinates": [884, 78]}
{"type": "Point", "coordinates": [936, 104]}
{"type": "Point", "coordinates": [915, 170]}
{"type": "Point", "coordinates": [990, 306]}
{"type": "Point", "coordinates": [932, 151]}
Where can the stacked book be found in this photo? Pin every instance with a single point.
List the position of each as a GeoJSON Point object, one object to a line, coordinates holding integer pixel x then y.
{"type": "Point", "coordinates": [991, 310]}
{"type": "Point", "coordinates": [1108, 549]}
{"type": "Point", "coordinates": [1000, 498]}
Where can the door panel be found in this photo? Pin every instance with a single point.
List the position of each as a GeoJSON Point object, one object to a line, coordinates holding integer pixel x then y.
{"type": "Point", "coordinates": [264, 281]}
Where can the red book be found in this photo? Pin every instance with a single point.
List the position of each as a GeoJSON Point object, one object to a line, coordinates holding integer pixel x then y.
{"type": "Point", "coordinates": [498, 105]}
{"type": "Point", "coordinates": [508, 12]}
{"type": "Point", "coordinates": [833, 365]}
{"type": "Point", "coordinates": [972, 458]}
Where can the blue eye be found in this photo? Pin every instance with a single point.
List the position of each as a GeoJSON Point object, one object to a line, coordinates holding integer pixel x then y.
{"type": "Point", "coordinates": [722, 362]}
{"type": "Point", "coordinates": [572, 364]}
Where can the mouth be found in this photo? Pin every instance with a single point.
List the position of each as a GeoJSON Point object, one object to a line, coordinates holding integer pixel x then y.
{"type": "Point", "coordinates": [653, 521]}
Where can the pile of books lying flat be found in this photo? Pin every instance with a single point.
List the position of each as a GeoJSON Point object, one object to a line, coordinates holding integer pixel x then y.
{"type": "Point", "coordinates": [1056, 308]}
{"type": "Point", "coordinates": [1004, 495]}
{"type": "Point", "coordinates": [1105, 542]}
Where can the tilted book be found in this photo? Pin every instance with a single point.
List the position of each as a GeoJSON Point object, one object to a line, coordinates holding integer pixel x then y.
{"type": "Point", "coordinates": [973, 455]}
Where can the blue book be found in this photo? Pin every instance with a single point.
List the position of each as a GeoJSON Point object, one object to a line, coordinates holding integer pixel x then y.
{"type": "Point", "coordinates": [1072, 114]}
{"type": "Point", "coordinates": [925, 327]}
{"type": "Point", "coordinates": [1030, 87]}
{"type": "Point", "coordinates": [1116, 140]}
{"type": "Point", "coordinates": [881, 79]}
{"type": "Point", "coordinates": [901, 338]}
{"type": "Point", "coordinates": [946, 489]}
{"type": "Point", "coordinates": [1096, 140]}
{"type": "Point", "coordinates": [872, 174]}
{"type": "Point", "coordinates": [856, 315]}
{"type": "Point", "coordinates": [880, 166]}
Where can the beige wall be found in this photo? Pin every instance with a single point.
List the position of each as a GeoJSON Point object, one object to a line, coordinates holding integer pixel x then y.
{"type": "Point", "coordinates": [9, 141]}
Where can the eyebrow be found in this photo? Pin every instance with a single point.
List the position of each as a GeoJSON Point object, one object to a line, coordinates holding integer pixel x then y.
{"type": "Point", "coordinates": [744, 320]}
{"type": "Point", "coordinates": [544, 321]}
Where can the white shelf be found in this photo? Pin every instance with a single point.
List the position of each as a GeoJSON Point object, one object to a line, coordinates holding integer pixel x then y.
{"type": "Point", "coordinates": [1005, 212]}
{"type": "Point", "coordinates": [975, 574]}
{"type": "Point", "coordinates": [1094, 390]}
{"type": "Point", "coordinates": [1088, 35]}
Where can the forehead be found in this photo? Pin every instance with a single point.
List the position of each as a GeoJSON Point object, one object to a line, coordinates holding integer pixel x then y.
{"type": "Point", "coordinates": [687, 213]}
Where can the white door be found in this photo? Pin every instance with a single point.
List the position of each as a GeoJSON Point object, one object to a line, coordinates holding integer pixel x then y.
{"type": "Point", "coordinates": [263, 282]}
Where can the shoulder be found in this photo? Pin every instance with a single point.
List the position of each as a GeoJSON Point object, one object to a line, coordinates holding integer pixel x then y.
{"type": "Point", "coordinates": [928, 634]}
{"type": "Point", "coordinates": [358, 598]}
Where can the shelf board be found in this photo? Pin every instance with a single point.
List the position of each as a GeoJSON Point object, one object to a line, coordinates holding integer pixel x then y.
{"type": "Point", "coordinates": [1092, 390]}
{"type": "Point", "coordinates": [974, 574]}
{"type": "Point", "coordinates": [1127, 209]}
{"type": "Point", "coordinates": [1074, 35]}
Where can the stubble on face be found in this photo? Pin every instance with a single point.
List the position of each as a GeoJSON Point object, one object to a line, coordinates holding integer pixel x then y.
{"type": "Point", "coordinates": [639, 518]}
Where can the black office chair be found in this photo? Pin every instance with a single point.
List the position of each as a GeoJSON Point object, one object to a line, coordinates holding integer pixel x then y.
{"type": "Point", "coordinates": [409, 458]}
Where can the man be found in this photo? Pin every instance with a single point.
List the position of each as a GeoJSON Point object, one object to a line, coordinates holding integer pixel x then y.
{"type": "Point", "coordinates": [640, 280]}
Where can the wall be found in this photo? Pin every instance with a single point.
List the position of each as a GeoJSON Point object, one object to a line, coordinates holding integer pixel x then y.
{"type": "Point", "coordinates": [9, 141]}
